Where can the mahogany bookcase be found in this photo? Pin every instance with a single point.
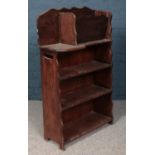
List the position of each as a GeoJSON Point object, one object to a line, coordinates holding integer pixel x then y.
{"type": "Point", "coordinates": [76, 71]}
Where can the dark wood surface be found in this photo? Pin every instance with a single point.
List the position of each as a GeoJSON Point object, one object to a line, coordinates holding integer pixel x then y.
{"type": "Point", "coordinates": [73, 26]}
{"type": "Point", "coordinates": [83, 95]}
{"type": "Point", "coordinates": [76, 112]}
{"type": "Point", "coordinates": [84, 125]}
{"type": "Point", "coordinates": [91, 28]}
{"type": "Point", "coordinates": [73, 71]}
{"type": "Point", "coordinates": [48, 25]}
{"type": "Point", "coordinates": [76, 72]}
{"type": "Point", "coordinates": [50, 92]}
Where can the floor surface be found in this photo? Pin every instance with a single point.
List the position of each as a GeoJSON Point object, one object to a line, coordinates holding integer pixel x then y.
{"type": "Point", "coordinates": [107, 140]}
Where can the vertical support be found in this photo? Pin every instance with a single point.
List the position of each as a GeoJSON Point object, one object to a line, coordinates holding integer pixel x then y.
{"type": "Point", "coordinates": [109, 17]}
{"type": "Point", "coordinates": [61, 146]}
{"type": "Point", "coordinates": [104, 78]}
{"type": "Point", "coordinates": [109, 26]}
{"type": "Point", "coordinates": [50, 95]}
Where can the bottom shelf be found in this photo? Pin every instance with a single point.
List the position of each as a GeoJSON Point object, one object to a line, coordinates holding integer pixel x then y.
{"type": "Point", "coordinates": [84, 125]}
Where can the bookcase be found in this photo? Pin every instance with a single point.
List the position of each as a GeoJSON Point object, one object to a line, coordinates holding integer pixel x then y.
{"type": "Point", "coordinates": [76, 72]}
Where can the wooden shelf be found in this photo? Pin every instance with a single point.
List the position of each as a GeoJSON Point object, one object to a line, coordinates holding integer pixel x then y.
{"type": "Point", "coordinates": [83, 95]}
{"type": "Point", "coordinates": [91, 121]}
{"type": "Point", "coordinates": [69, 72]}
{"type": "Point", "coordinates": [60, 47]}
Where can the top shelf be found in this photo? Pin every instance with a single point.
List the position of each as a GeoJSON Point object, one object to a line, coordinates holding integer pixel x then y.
{"type": "Point", "coordinates": [60, 47]}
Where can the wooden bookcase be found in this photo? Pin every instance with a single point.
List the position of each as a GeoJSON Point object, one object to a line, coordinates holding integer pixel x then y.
{"type": "Point", "coordinates": [76, 76]}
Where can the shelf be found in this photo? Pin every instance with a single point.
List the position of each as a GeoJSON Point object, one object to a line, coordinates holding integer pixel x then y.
{"type": "Point", "coordinates": [83, 95]}
{"type": "Point", "coordinates": [91, 121]}
{"type": "Point", "coordinates": [69, 72]}
{"type": "Point", "coordinates": [60, 47]}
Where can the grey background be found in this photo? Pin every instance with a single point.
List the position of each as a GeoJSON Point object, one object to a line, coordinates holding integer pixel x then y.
{"type": "Point", "coordinates": [118, 9]}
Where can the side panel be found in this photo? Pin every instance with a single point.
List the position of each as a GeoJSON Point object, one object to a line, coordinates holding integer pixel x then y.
{"type": "Point", "coordinates": [48, 28]}
{"type": "Point", "coordinates": [108, 15]}
{"type": "Point", "coordinates": [50, 95]}
{"type": "Point", "coordinates": [67, 28]}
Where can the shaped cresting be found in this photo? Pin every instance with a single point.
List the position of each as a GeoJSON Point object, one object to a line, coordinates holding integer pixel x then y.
{"type": "Point", "coordinates": [73, 26]}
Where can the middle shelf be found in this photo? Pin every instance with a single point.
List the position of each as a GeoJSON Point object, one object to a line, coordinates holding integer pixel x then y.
{"type": "Point", "coordinates": [70, 72]}
{"type": "Point", "coordinates": [83, 95]}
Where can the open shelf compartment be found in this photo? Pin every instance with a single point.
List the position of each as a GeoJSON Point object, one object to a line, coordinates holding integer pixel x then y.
{"type": "Point", "coordinates": [86, 117]}
{"type": "Point", "coordinates": [85, 124]}
{"type": "Point", "coordinates": [82, 95]}
{"type": "Point", "coordinates": [85, 68]}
